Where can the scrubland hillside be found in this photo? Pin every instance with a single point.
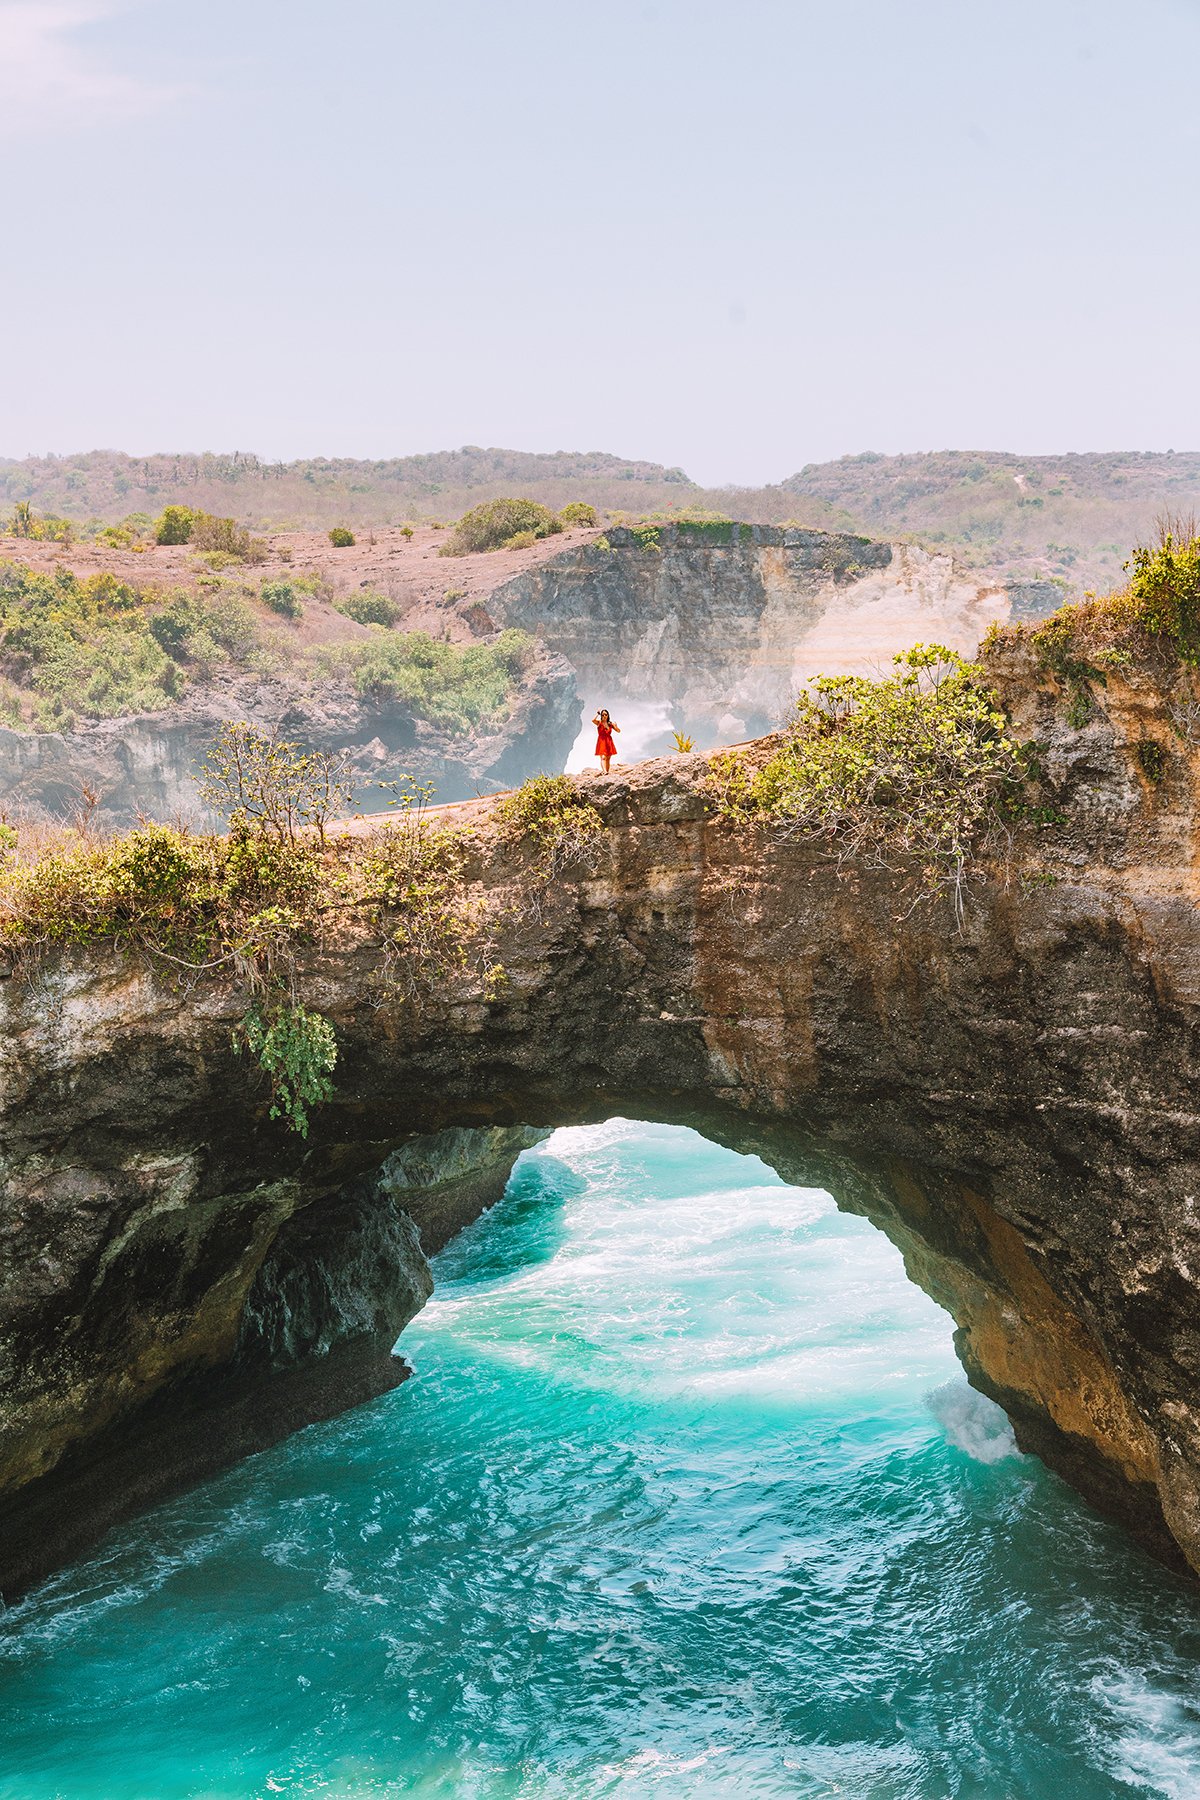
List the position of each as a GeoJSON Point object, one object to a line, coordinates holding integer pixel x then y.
{"type": "Point", "coordinates": [1072, 518]}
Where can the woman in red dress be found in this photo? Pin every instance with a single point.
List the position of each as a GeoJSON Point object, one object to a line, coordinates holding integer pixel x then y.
{"type": "Point", "coordinates": [605, 748]}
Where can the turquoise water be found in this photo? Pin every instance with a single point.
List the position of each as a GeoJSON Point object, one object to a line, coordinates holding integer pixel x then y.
{"type": "Point", "coordinates": [664, 1512]}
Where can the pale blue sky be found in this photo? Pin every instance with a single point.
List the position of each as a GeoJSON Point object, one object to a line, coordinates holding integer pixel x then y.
{"type": "Point", "coordinates": [735, 237]}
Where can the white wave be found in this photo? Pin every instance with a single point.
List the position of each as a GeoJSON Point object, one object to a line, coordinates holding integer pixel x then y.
{"type": "Point", "coordinates": [1158, 1742]}
{"type": "Point", "coordinates": [972, 1422]}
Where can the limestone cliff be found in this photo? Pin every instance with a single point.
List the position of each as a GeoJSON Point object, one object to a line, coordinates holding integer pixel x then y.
{"type": "Point", "coordinates": [146, 764]}
{"type": "Point", "coordinates": [722, 634]}
{"type": "Point", "coordinates": [1013, 1103]}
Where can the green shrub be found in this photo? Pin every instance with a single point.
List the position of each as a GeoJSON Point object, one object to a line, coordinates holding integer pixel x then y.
{"type": "Point", "coordinates": [222, 535]}
{"type": "Point", "coordinates": [1156, 617]}
{"type": "Point", "coordinates": [577, 512]}
{"type": "Point", "coordinates": [272, 788]}
{"type": "Point", "coordinates": [281, 597]}
{"type": "Point", "coordinates": [454, 689]}
{"type": "Point", "coordinates": [82, 642]}
{"type": "Point", "coordinates": [406, 532]}
{"type": "Point", "coordinates": [209, 632]}
{"type": "Point", "coordinates": [174, 525]}
{"type": "Point", "coordinates": [918, 767]}
{"type": "Point", "coordinates": [340, 538]}
{"type": "Point", "coordinates": [522, 540]}
{"type": "Point", "coordinates": [369, 608]}
{"type": "Point", "coordinates": [493, 524]}
{"type": "Point", "coordinates": [706, 531]}
{"type": "Point", "coordinates": [552, 810]}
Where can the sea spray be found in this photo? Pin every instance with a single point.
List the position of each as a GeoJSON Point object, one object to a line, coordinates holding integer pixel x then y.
{"type": "Point", "coordinates": [972, 1422]}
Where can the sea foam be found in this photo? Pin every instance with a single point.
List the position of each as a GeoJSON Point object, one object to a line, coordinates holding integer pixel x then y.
{"type": "Point", "coordinates": [972, 1422]}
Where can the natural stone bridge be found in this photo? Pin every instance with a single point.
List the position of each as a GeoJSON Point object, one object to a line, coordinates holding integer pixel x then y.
{"type": "Point", "coordinates": [1014, 1105]}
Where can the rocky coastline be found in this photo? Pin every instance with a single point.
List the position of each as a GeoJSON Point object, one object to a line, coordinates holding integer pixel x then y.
{"type": "Point", "coordinates": [1012, 1101]}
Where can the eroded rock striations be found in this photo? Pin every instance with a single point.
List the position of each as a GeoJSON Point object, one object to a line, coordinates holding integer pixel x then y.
{"type": "Point", "coordinates": [721, 634]}
{"type": "Point", "coordinates": [146, 764]}
{"type": "Point", "coordinates": [1014, 1104]}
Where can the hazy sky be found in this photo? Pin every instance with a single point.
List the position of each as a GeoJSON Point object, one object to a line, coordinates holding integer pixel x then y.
{"type": "Point", "coordinates": [737, 237]}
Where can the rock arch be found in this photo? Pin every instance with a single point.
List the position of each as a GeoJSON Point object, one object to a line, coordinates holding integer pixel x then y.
{"type": "Point", "coordinates": [1013, 1105]}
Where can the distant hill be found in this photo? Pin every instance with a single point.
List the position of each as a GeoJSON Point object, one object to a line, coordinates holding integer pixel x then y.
{"type": "Point", "coordinates": [108, 485]}
{"type": "Point", "coordinates": [1072, 519]}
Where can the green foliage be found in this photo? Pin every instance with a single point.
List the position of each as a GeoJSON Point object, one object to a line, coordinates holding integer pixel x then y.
{"type": "Point", "coordinates": [413, 869]}
{"type": "Point", "coordinates": [224, 536]}
{"type": "Point", "coordinates": [454, 689]}
{"type": "Point", "coordinates": [911, 767]}
{"type": "Point", "coordinates": [189, 903]}
{"type": "Point", "coordinates": [341, 539]}
{"type": "Point", "coordinates": [522, 540]}
{"type": "Point", "coordinates": [8, 837]}
{"type": "Point", "coordinates": [648, 537]}
{"type": "Point", "coordinates": [298, 1051]}
{"type": "Point", "coordinates": [50, 529]}
{"type": "Point", "coordinates": [174, 525]}
{"type": "Point", "coordinates": [554, 812]}
{"type": "Point", "coordinates": [369, 608]}
{"type": "Point", "coordinates": [1165, 588]}
{"type": "Point", "coordinates": [1153, 760]}
{"type": "Point", "coordinates": [496, 522]}
{"type": "Point", "coordinates": [406, 531]}
{"type": "Point", "coordinates": [85, 644]}
{"type": "Point", "coordinates": [1157, 616]}
{"type": "Point", "coordinates": [1057, 655]}
{"type": "Point", "coordinates": [683, 744]}
{"type": "Point", "coordinates": [281, 597]}
{"type": "Point", "coordinates": [577, 512]}
{"type": "Point", "coordinates": [267, 787]}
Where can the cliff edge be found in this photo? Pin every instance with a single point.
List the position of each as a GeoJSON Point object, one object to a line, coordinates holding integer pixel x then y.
{"type": "Point", "coordinates": [1008, 1093]}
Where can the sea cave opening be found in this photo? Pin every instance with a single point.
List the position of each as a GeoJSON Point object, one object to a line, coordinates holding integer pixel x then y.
{"type": "Point", "coordinates": [686, 1495]}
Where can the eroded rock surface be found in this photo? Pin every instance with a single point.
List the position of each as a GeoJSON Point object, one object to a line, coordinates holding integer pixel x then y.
{"type": "Point", "coordinates": [723, 635]}
{"type": "Point", "coordinates": [1013, 1104]}
{"type": "Point", "coordinates": [147, 764]}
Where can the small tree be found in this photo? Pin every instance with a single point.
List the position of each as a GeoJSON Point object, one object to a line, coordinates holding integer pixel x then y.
{"type": "Point", "coordinates": [266, 788]}
{"type": "Point", "coordinates": [341, 539]}
{"type": "Point", "coordinates": [578, 512]}
{"type": "Point", "coordinates": [225, 535]}
{"type": "Point", "coordinates": [174, 525]}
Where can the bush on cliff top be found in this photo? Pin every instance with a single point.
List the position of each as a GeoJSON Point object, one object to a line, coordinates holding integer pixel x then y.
{"type": "Point", "coordinates": [491, 525]}
{"type": "Point", "coordinates": [244, 908]}
{"type": "Point", "coordinates": [553, 811]}
{"type": "Point", "coordinates": [916, 767]}
{"type": "Point", "coordinates": [103, 648]}
{"type": "Point", "coordinates": [1153, 621]}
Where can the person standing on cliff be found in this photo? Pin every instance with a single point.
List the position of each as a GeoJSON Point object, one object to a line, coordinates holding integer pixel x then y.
{"type": "Point", "coordinates": [605, 748]}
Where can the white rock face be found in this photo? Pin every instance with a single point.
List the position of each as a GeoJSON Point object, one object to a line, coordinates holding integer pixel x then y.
{"type": "Point", "coordinates": [717, 639]}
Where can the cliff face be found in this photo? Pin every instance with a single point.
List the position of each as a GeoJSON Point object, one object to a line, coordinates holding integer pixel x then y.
{"type": "Point", "coordinates": [724, 633]}
{"type": "Point", "coordinates": [1013, 1105]}
{"type": "Point", "coordinates": [148, 763]}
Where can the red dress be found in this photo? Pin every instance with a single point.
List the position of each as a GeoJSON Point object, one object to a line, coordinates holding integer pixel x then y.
{"type": "Point", "coordinates": [604, 742]}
